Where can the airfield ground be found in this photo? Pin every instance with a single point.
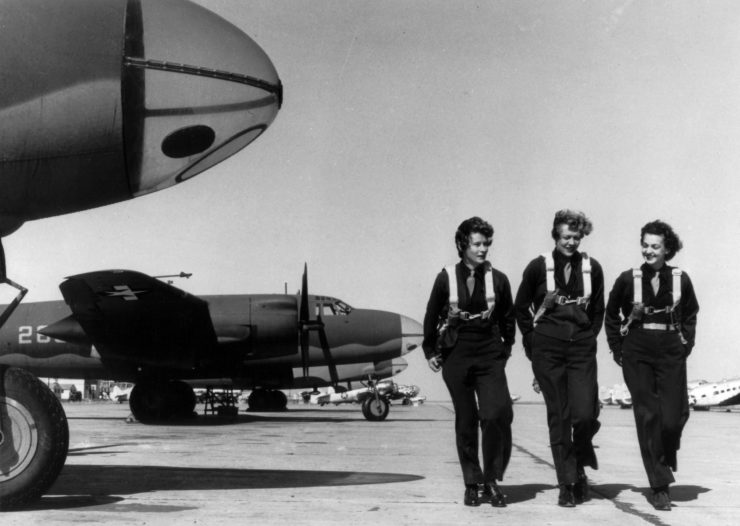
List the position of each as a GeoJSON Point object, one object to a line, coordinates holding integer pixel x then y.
{"type": "Point", "coordinates": [329, 465]}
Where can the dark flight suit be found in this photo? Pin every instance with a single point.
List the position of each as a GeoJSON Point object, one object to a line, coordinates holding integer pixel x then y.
{"type": "Point", "coordinates": [654, 364]}
{"type": "Point", "coordinates": [475, 367]}
{"type": "Point", "coordinates": [562, 347]}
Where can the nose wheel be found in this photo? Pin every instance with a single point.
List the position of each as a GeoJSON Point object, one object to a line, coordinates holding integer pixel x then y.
{"type": "Point", "coordinates": [375, 409]}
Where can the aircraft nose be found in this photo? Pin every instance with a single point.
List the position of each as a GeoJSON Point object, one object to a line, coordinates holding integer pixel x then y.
{"type": "Point", "coordinates": [412, 334]}
{"type": "Point", "coordinates": [196, 90]}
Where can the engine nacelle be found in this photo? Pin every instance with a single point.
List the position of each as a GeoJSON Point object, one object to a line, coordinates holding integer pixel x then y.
{"type": "Point", "coordinates": [105, 100]}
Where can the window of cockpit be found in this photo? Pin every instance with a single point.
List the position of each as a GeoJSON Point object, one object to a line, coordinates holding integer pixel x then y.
{"type": "Point", "coordinates": [333, 308]}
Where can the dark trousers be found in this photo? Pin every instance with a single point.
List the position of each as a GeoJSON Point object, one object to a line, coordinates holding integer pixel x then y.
{"type": "Point", "coordinates": [476, 369]}
{"type": "Point", "coordinates": [566, 372]}
{"type": "Point", "coordinates": [654, 368]}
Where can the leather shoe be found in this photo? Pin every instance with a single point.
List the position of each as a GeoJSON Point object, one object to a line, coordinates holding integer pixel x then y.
{"type": "Point", "coordinates": [494, 493]}
{"type": "Point", "coordinates": [660, 499]}
{"type": "Point", "coordinates": [471, 495]}
{"type": "Point", "coordinates": [566, 498]}
{"type": "Point", "coordinates": [581, 491]}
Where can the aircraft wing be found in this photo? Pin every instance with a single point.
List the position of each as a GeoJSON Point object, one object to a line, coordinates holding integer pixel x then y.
{"type": "Point", "coordinates": [135, 318]}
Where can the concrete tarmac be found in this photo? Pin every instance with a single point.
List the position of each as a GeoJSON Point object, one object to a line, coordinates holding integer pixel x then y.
{"type": "Point", "coordinates": [329, 465]}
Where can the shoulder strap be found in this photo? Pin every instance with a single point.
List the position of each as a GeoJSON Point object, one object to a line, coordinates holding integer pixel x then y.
{"type": "Point", "coordinates": [454, 298]}
{"type": "Point", "coordinates": [490, 291]}
{"type": "Point", "coordinates": [549, 271]}
{"type": "Point", "coordinates": [676, 286]}
{"type": "Point", "coordinates": [586, 272]}
{"type": "Point", "coordinates": [637, 281]}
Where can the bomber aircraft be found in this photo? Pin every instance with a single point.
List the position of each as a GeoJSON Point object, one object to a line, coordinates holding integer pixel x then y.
{"type": "Point", "coordinates": [130, 327]}
{"type": "Point", "coordinates": [103, 101]}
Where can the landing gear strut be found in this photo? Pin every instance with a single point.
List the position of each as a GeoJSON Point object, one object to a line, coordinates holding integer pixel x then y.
{"type": "Point", "coordinates": [34, 436]}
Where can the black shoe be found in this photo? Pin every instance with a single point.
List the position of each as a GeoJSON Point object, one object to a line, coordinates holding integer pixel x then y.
{"type": "Point", "coordinates": [581, 491]}
{"type": "Point", "coordinates": [494, 493]}
{"type": "Point", "coordinates": [471, 495]}
{"type": "Point", "coordinates": [660, 499]}
{"type": "Point", "coordinates": [566, 498]}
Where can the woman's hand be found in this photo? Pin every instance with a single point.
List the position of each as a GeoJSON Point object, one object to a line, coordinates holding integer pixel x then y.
{"type": "Point", "coordinates": [435, 363]}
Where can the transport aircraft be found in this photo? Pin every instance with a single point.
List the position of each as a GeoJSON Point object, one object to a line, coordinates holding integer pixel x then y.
{"type": "Point", "coordinates": [714, 394]}
{"type": "Point", "coordinates": [103, 101]}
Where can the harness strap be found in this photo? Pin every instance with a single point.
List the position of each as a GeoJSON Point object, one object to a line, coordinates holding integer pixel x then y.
{"type": "Point", "coordinates": [638, 309]}
{"type": "Point", "coordinates": [551, 289]}
{"type": "Point", "coordinates": [454, 297]}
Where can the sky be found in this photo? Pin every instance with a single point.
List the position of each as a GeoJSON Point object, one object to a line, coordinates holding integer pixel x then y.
{"type": "Point", "coordinates": [402, 118]}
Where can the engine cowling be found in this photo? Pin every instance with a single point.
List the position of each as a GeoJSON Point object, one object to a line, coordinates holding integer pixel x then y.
{"type": "Point", "coordinates": [106, 100]}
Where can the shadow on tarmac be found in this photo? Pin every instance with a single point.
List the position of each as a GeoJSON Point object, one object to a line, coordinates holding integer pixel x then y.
{"type": "Point", "coordinates": [94, 485]}
{"type": "Point", "coordinates": [679, 493]}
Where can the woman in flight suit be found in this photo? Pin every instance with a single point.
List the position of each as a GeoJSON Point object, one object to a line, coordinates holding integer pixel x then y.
{"type": "Point", "coordinates": [482, 317]}
{"type": "Point", "coordinates": [560, 309]}
{"type": "Point", "coordinates": [651, 327]}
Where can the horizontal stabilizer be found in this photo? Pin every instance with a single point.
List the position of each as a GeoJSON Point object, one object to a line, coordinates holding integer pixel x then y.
{"type": "Point", "coordinates": [133, 317]}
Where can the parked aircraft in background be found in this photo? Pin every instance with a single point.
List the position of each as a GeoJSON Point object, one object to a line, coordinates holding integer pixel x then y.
{"type": "Point", "coordinates": [103, 101]}
{"type": "Point", "coordinates": [375, 397]}
{"type": "Point", "coordinates": [617, 395]}
{"type": "Point", "coordinates": [121, 392]}
{"type": "Point", "coordinates": [714, 394]}
{"type": "Point", "coordinates": [126, 326]}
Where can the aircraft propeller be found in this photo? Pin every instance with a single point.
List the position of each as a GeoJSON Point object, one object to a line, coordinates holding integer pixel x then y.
{"type": "Point", "coordinates": [305, 325]}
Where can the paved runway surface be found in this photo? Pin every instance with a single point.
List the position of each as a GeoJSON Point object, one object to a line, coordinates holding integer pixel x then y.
{"type": "Point", "coordinates": [314, 465]}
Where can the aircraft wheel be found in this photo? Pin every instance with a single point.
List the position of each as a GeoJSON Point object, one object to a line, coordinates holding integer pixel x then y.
{"type": "Point", "coordinates": [258, 400]}
{"type": "Point", "coordinates": [375, 409]}
{"type": "Point", "coordinates": [181, 399]}
{"type": "Point", "coordinates": [279, 401]}
{"type": "Point", "coordinates": [34, 438]}
{"type": "Point", "coordinates": [148, 402]}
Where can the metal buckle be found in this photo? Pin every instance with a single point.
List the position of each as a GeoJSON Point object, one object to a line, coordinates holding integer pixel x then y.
{"type": "Point", "coordinates": [463, 315]}
{"type": "Point", "coordinates": [561, 300]}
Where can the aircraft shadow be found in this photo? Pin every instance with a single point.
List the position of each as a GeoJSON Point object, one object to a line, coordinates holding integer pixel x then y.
{"type": "Point", "coordinates": [95, 485]}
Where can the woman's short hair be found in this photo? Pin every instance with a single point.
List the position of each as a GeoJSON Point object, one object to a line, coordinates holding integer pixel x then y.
{"type": "Point", "coordinates": [575, 219]}
{"type": "Point", "coordinates": [670, 239]}
{"type": "Point", "coordinates": [467, 228]}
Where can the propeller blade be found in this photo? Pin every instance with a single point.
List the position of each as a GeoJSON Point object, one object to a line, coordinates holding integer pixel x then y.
{"type": "Point", "coordinates": [303, 321]}
{"type": "Point", "coordinates": [304, 296]}
{"type": "Point", "coordinates": [327, 353]}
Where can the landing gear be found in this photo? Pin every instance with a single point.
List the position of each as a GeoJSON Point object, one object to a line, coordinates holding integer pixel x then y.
{"type": "Point", "coordinates": [34, 438]}
{"type": "Point", "coordinates": [375, 408]}
{"type": "Point", "coordinates": [152, 401]}
{"type": "Point", "coordinates": [267, 400]}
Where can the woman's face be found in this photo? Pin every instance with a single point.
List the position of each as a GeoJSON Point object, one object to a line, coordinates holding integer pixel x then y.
{"type": "Point", "coordinates": [653, 250]}
{"type": "Point", "coordinates": [477, 250]}
{"type": "Point", "coordinates": [568, 240]}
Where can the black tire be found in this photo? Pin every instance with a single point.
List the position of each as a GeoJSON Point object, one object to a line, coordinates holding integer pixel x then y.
{"type": "Point", "coordinates": [279, 401]}
{"type": "Point", "coordinates": [147, 402]}
{"type": "Point", "coordinates": [181, 399]}
{"type": "Point", "coordinates": [34, 438]}
{"type": "Point", "coordinates": [375, 409]}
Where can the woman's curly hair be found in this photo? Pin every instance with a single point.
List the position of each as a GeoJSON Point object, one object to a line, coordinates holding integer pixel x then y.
{"type": "Point", "coordinates": [670, 239]}
{"type": "Point", "coordinates": [575, 219]}
{"type": "Point", "coordinates": [467, 228]}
